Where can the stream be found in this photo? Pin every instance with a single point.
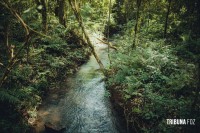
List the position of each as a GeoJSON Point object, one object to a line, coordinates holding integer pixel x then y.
{"type": "Point", "coordinates": [81, 105]}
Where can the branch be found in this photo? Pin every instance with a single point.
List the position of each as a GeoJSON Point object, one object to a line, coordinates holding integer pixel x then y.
{"type": "Point", "coordinates": [1, 64]}
{"type": "Point", "coordinates": [13, 61]}
{"type": "Point", "coordinates": [17, 16]}
{"type": "Point", "coordinates": [28, 34]}
{"type": "Point", "coordinates": [39, 33]}
{"type": "Point", "coordinates": [8, 6]}
{"type": "Point", "coordinates": [107, 43]}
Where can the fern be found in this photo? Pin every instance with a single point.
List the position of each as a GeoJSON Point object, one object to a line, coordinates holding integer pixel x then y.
{"type": "Point", "coordinates": [6, 97]}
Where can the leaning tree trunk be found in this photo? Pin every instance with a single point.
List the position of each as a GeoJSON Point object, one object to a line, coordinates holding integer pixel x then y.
{"type": "Point", "coordinates": [79, 19]}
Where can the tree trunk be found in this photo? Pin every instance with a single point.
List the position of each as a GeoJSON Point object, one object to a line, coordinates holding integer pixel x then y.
{"type": "Point", "coordinates": [198, 16]}
{"type": "Point", "coordinates": [79, 19]}
{"type": "Point", "coordinates": [61, 12]}
{"type": "Point", "coordinates": [149, 5]}
{"type": "Point", "coordinates": [137, 23]}
{"type": "Point", "coordinates": [44, 16]}
{"type": "Point", "coordinates": [108, 32]}
{"type": "Point", "coordinates": [167, 17]}
{"type": "Point", "coordinates": [127, 10]}
{"type": "Point", "coordinates": [43, 12]}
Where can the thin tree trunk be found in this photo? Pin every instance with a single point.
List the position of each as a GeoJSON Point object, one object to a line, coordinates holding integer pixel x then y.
{"type": "Point", "coordinates": [167, 18]}
{"type": "Point", "coordinates": [127, 9]}
{"type": "Point", "coordinates": [44, 16]}
{"type": "Point", "coordinates": [6, 37]}
{"type": "Point", "coordinates": [137, 23]}
{"type": "Point", "coordinates": [79, 19]}
{"type": "Point", "coordinates": [108, 32]}
{"type": "Point", "coordinates": [43, 12]}
{"type": "Point", "coordinates": [13, 61]}
{"type": "Point", "coordinates": [28, 32]}
{"type": "Point", "coordinates": [149, 5]}
{"type": "Point", "coordinates": [198, 16]}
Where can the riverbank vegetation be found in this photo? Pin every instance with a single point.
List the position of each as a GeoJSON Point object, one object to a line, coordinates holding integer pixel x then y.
{"type": "Point", "coordinates": [41, 45]}
{"type": "Point", "coordinates": [154, 72]}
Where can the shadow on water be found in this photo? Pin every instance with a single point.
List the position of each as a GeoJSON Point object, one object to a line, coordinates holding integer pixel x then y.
{"type": "Point", "coordinates": [80, 106]}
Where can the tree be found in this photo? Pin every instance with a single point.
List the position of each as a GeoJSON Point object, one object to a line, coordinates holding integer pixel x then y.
{"type": "Point", "coordinates": [42, 8]}
{"type": "Point", "coordinates": [137, 23]}
{"type": "Point", "coordinates": [61, 11]}
{"type": "Point", "coordinates": [167, 17]}
{"type": "Point", "coordinates": [108, 32]}
{"type": "Point", "coordinates": [28, 33]}
{"type": "Point", "coordinates": [75, 9]}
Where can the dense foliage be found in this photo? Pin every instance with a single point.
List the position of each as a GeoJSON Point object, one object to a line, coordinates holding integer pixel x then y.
{"type": "Point", "coordinates": [41, 44]}
{"type": "Point", "coordinates": [154, 75]}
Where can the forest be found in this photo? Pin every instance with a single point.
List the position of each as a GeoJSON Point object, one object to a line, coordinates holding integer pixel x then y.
{"type": "Point", "coordinates": [148, 52]}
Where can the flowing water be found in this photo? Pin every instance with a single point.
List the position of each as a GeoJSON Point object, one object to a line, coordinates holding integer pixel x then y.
{"type": "Point", "coordinates": [81, 105]}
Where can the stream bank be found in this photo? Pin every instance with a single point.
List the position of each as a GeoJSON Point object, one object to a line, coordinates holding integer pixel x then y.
{"type": "Point", "coordinates": [67, 55]}
{"type": "Point", "coordinates": [80, 105]}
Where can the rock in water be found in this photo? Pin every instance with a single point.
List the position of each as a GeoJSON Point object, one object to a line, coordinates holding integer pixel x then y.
{"type": "Point", "coordinates": [50, 128]}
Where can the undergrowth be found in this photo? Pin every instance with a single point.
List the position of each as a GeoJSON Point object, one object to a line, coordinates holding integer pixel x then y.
{"type": "Point", "coordinates": [151, 83]}
{"type": "Point", "coordinates": [49, 61]}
